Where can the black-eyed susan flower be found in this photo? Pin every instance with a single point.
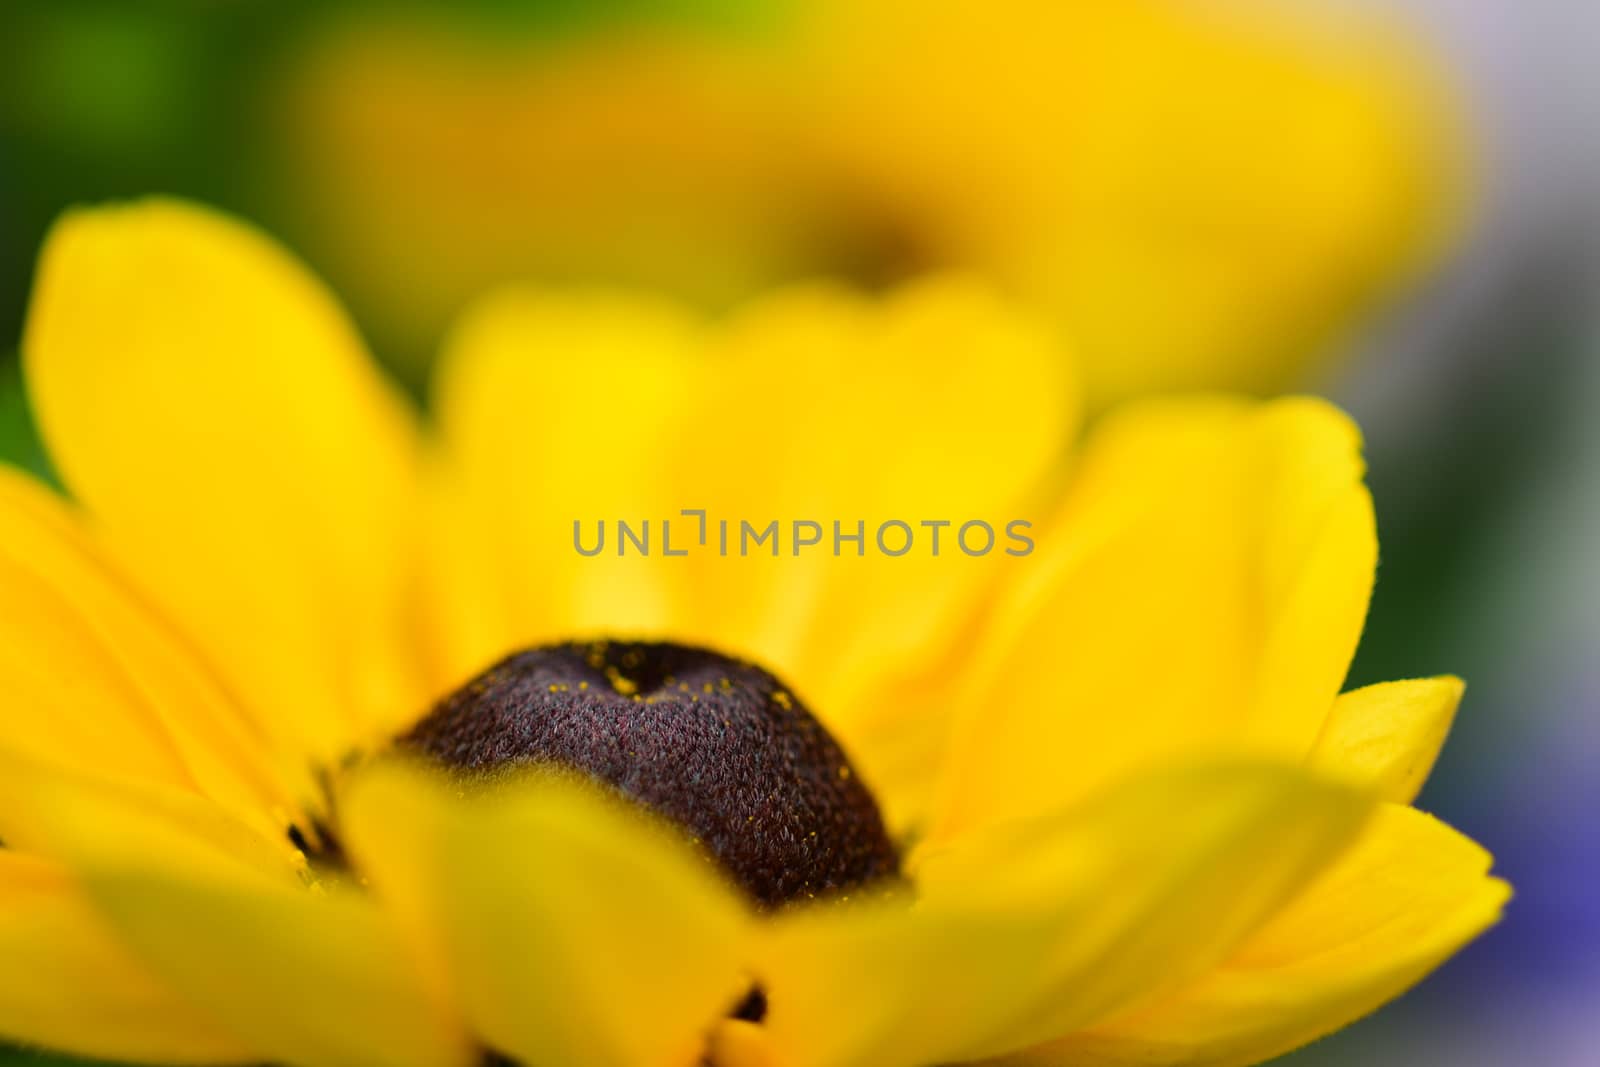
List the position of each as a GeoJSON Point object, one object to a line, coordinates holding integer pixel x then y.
{"type": "Point", "coordinates": [323, 745]}
{"type": "Point", "coordinates": [1272, 175]}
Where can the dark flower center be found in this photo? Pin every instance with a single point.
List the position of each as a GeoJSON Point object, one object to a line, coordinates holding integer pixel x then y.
{"type": "Point", "coordinates": [716, 745]}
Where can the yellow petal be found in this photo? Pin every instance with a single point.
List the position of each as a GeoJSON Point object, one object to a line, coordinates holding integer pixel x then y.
{"type": "Point", "coordinates": [553, 410]}
{"type": "Point", "coordinates": [80, 819]}
{"type": "Point", "coordinates": [1388, 736]}
{"type": "Point", "coordinates": [813, 406]}
{"type": "Point", "coordinates": [1403, 900]}
{"type": "Point", "coordinates": [737, 1043]}
{"type": "Point", "coordinates": [1198, 196]}
{"type": "Point", "coordinates": [656, 155]}
{"type": "Point", "coordinates": [1037, 927]}
{"type": "Point", "coordinates": [69, 986]}
{"type": "Point", "coordinates": [97, 682]}
{"type": "Point", "coordinates": [940, 404]}
{"type": "Point", "coordinates": [209, 404]}
{"type": "Point", "coordinates": [575, 930]}
{"type": "Point", "coordinates": [1203, 589]}
{"type": "Point", "coordinates": [466, 617]}
{"type": "Point", "coordinates": [322, 980]}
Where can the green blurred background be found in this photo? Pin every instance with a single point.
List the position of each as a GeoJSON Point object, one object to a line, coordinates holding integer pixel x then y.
{"type": "Point", "coordinates": [1480, 395]}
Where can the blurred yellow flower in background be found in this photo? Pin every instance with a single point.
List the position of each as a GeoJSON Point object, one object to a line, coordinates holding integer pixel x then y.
{"type": "Point", "coordinates": [1134, 819]}
{"type": "Point", "coordinates": [1196, 195]}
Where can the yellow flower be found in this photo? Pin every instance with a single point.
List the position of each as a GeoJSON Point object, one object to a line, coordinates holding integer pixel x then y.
{"type": "Point", "coordinates": [1134, 820]}
{"type": "Point", "coordinates": [1195, 195]}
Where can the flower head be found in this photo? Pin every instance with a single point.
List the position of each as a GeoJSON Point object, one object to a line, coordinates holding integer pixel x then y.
{"type": "Point", "coordinates": [265, 798]}
{"type": "Point", "coordinates": [1200, 196]}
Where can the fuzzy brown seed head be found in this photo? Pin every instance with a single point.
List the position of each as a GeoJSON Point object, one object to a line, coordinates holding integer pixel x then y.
{"type": "Point", "coordinates": [717, 746]}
